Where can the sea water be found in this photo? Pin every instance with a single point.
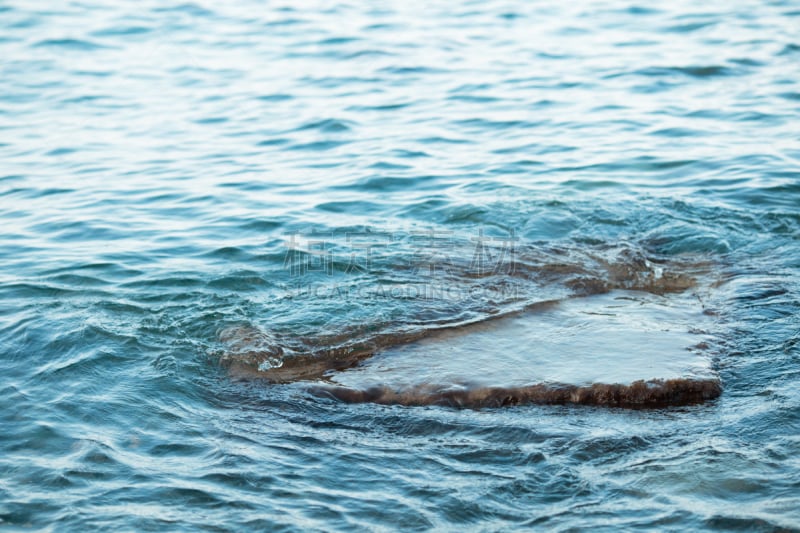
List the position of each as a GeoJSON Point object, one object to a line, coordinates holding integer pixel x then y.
{"type": "Point", "coordinates": [343, 182]}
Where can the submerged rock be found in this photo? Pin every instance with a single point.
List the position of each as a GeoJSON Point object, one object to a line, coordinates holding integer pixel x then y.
{"type": "Point", "coordinates": [633, 337]}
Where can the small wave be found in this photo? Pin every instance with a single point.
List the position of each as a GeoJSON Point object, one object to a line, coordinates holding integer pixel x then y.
{"type": "Point", "coordinates": [690, 27]}
{"type": "Point", "coordinates": [443, 140]}
{"type": "Point", "coordinates": [172, 282]}
{"type": "Point", "coordinates": [406, 70]}
{"type": "Point", "coordinates": [276, 97]}
{"type": "Point", "coordinates": [69, 44]}
{"type": "Point", "coordinates": [187, 8]}
{"type": "Point", "coordinates": [317, 146]}
{"type": "Point", "coordinates": [328, 125]}
{"type": "Point", "coordinates": [61, 151]}
{"type": "Point", "coordinates": [392, 183]}
{"type": "Point", "coordinates": [122, 31]}
{"type": "Point", "coordinates": [486, 124]}
{"type": "Point", "coordinates": [211, 120]}
{"type": "Point", "coordinates": [789, 49]}
{"type": "Point", "coordinates": [692, 71]}
{"type": "Point", "coordinates": [381, 107]}
{"type": "Point", "coordinates": [354, 207]}
{"type": "Point", "coordinates": [275, 141]}
{"type": "Point", "coordinates": [333, 41]}
{"type": "Point", "coordinates": [386, 165]}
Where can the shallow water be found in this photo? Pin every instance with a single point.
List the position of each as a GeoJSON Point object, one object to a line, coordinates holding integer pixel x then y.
{"type": "Point", "coordinates": [619, 337]}
{"type": "Point", "coordinates": [331, 174]}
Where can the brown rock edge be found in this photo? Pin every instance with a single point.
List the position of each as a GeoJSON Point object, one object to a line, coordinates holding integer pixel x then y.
{"type": "Point", "coordinates": [637, 395]}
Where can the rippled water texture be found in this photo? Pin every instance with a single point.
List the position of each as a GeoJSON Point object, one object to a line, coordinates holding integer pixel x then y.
{"type": "Point", "coordinates": [307, 188]}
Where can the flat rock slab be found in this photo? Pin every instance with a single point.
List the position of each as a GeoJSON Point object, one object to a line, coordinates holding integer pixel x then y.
{"type": "Point", "coordinates": [622, 348]}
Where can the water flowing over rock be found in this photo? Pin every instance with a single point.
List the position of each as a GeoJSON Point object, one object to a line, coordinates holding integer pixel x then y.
{"type": "Point", "coordinates": [633, 334]}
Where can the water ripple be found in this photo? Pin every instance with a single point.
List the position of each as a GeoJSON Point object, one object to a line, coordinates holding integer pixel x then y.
{"type": "Point", "coordinates": [170, 172]}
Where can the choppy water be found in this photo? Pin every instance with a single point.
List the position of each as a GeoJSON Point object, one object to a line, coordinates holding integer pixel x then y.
{"type": "Point", "coordinates": [170, 171]}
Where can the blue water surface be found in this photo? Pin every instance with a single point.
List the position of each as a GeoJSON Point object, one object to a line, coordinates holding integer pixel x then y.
{"type": "Point", "coordinates": [168, 170]}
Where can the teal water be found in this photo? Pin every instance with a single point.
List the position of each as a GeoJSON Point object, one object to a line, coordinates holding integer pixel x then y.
{"type": "Point", "coordinates": [326, 172]}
